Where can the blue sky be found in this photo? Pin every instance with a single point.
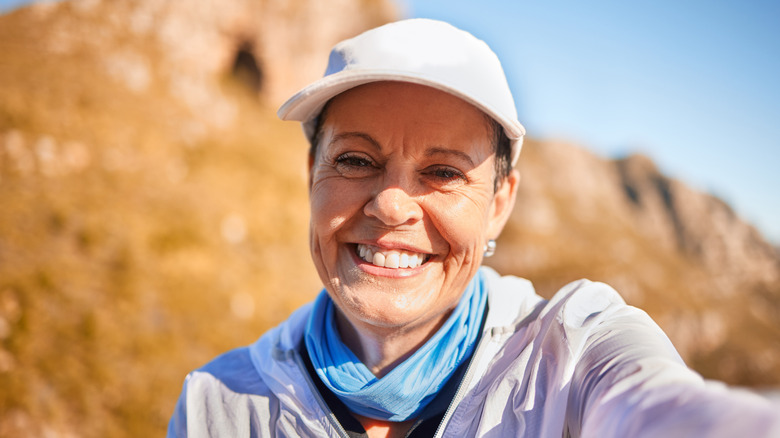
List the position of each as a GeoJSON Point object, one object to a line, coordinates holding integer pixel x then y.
{"type": "Point", "coordinates": [694, 84]}
{"type": "Point", "coordinates": [7, 5]}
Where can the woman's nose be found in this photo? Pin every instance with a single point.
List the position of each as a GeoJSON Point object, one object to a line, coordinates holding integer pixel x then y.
{"type": "Point", "coordinates": [393, 207]}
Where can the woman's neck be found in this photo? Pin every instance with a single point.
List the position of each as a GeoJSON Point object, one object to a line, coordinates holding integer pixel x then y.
{"type": "Point", "coordinates": [381, 350]}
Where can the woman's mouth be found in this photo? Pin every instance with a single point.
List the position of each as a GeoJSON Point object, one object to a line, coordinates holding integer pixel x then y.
{"type": "Point", "coordinates": [392, 258]}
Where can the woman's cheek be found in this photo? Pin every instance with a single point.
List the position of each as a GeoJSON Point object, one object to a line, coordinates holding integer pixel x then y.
{"type": "Point", "coordinates": [460, 223]}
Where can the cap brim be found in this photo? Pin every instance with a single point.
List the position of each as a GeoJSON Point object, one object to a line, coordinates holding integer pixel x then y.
{"type": "Point", "coordinates": [308, 103]}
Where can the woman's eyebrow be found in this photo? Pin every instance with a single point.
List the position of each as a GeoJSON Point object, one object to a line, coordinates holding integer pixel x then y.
{"type": "Point", "coordinates": [363, 135]}
{"type": "Point", "coordinates": [438, 150]}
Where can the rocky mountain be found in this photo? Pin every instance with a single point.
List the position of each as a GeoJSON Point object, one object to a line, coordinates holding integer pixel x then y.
{"type": "Point", "coordinates": [153, 211]}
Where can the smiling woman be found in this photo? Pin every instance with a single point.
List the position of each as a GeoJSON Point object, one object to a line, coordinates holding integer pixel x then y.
{"type": "Point", "coordinates": [413, 137]}
{"type": "Point", "coordinates": [402, 170]}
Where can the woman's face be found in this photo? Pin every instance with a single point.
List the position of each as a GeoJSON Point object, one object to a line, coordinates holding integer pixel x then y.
{"type": "Point", "coordinates": [402, 202]}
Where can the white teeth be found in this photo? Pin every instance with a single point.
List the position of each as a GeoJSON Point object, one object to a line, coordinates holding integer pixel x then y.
{"type": "Point", "coordinates": [390, 259]}
{"type": "Point", "coordinates": [403, 261]}
{"type": "Point", "coordinates": [379, 259]}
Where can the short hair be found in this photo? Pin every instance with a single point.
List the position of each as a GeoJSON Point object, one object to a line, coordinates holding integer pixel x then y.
{"type": "Point", "coordinates": [502, 146]}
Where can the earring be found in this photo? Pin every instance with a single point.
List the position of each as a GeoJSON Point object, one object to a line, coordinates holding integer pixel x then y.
{"type": "Point", "coordinates": [490, 248]}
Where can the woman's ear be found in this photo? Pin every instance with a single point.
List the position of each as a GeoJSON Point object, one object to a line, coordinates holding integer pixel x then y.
{"type": "Point", "coordinates": [503, 203]}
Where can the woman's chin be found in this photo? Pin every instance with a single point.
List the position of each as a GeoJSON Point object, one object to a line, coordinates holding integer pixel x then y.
{"type": "Point", "coordinates": [382, 308]}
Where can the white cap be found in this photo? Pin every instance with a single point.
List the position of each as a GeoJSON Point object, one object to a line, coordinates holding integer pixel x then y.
{"type": "Point", "coordinates": [420, 51]}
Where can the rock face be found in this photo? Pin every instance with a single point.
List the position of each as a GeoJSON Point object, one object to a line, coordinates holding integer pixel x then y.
{"type": "Point", "coordinates": [700, 226]}
{"type": "Point", "coordinates": [275, 45]}
{"type": "Point", "coordinates": [153, 211]}
{"type": "Point", "coordinates": [632, 193]}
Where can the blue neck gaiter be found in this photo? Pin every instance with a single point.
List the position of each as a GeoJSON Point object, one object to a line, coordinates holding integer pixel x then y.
{"type": "Point", "coordinates": [405, 391]}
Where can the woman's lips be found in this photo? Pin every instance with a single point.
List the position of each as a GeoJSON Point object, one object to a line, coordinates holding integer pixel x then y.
{"type": "Point", "coordinates": [390, 258]}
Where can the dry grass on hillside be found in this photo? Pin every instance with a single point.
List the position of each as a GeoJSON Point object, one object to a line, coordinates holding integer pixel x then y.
{"type": "Point", "coordinates": [133, 248]}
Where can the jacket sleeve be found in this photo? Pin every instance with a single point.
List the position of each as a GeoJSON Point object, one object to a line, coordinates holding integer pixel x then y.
{"type": "Point", "coordinates": [630, 381]}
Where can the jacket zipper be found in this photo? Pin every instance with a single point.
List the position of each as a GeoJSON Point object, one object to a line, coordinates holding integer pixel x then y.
{"type": "Point", "coordinates": [462, 386]}
{"type": "Point", "coordinates": [313, 388]}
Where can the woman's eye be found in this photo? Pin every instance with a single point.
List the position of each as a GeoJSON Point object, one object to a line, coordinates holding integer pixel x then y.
{"type": "Point", "coordinates": [351, 165]}
{"type": "Point", "coordinates": [447, 174]}
{"type": "Point", "coordinates": [353, 161]}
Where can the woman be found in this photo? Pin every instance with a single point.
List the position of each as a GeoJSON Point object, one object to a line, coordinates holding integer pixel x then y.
{"type": "Point", "coordinates": [413, 137]}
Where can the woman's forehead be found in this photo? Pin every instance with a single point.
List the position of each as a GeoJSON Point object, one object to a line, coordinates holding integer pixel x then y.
{"type": "Point", "coordinates": [399, 108]}
{"type": "Point", "coordinates": [389, 94]}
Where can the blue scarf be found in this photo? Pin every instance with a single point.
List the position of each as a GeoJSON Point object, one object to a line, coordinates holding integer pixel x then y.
{"type": "Point", "coordinates": [405, 391]}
